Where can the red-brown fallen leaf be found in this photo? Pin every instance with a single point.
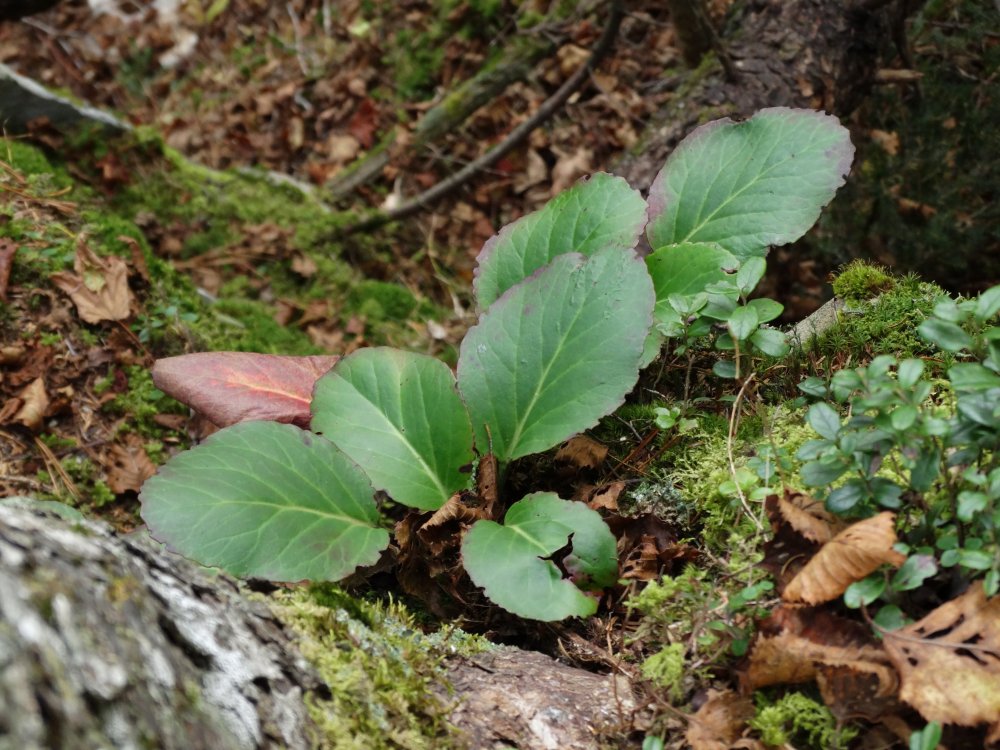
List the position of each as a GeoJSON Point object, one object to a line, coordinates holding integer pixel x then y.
{"type": "Point", "coordinates": [364, 123]}
{"type": "Point", "coordinates": [231, 387]}
{"type": "Point", "coordinates": [858, 689]}
{"type": "Point", "coordinates": [99, 288]}
{"type": "Point", "coordinates": [34, 403]}
{"type": "Point", "coordinates": [949, 662]}
{"type": "Point", "coordinates": [7, 252]}
{"type": "Point", "coordinates": [720, 721]}
{"type": "Point", "coordinates": [128, 465]}
{"type": "Point", "coordinates": [848, 557]}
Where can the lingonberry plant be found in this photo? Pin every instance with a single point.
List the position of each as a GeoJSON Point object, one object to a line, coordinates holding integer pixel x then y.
{"type": "Point", "coordinates": [913, 440]}
{"type": "Point", "coordinates": [569, 314]}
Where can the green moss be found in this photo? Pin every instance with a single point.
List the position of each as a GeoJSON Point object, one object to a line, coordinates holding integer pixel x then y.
{"type": "Point", "coordinates": [142, 402]}
{"type": "Point", "coordinates": [379, 667]}
{"type": "Point", "coordinates": [32, 161]}
{"type": "Point", "coordinates": [666, 669]}
{"type": "Point", "coordinates": [797, 718]}
{"type": "Point", "coordinates": [860, 280]}
{"type": "Point", "coordinates": [885, 325]}
{"type": "Point", "coordinates": [379, 301]}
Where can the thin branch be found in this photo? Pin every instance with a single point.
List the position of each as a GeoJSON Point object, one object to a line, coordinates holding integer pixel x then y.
{"type": "Point", "coordinates": [514, 138]}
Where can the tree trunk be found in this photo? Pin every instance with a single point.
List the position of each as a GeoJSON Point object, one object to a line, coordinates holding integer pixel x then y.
{"type": "Point", "coordinates": [111, 641]}
{"type": "Point", "coordinates": [794, 53]}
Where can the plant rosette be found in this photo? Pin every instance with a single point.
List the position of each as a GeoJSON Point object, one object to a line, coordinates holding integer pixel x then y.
{"type": "Point", "coordinates": [569, 315]}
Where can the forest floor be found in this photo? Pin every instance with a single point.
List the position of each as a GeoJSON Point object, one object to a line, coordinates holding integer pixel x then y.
{"type": "Point", "coordinates": [232, 262]}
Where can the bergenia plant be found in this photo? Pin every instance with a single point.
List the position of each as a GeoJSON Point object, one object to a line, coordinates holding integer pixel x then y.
{"type": "Point", "coordinates": [569, 313]}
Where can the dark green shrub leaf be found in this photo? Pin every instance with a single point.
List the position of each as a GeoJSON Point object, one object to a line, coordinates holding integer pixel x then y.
{"type": "Point", "coordinates": [988, 304]}
{"type": "Point", "coordinates": [750, 273]}
{"type": "Point", "coordinates": [267, 500]}
{"type": "Point", "coordinates": [903, 417]}
{"type": "Point", "coordinates": [511, 562]}
{"type": "Point", "coordinates": [976, 559]}
{"type": "Point", "coordinates": [913, 572]}
{"type": "Point", "coordinates": [599, 212]}
{"type": "Point", "coordinates": [970, 503]}
{"type": "Point", "coordinates": [944, 335]}
{"type": "Point", "coordinates": [771, 342]}
{"type": "Point", "coordinates": [814, 386]}
{"type": "Point", "coordinates": [864, 592]}
{"type": "Point", "coordinates": [557, 352]}
{"type": "Point", "coordinates": [926, 468]}
{"type": "Point", "coordinates": [843, 499]}
{"type": "Point", "coordinates": [742, 322]}
{"type": "Point", "coordinates": [822, 472]}
{"type": "Point", "coordinates": [824, 419]}
{"type": "Point", "coordinates": [752, 184]}
{"type": "Point", "coordinates": [398, 415]}
{"type": "Point", "coordinates": [725, 368]}
{"type": "Point", "coordinates": [886, 492]}
{"type": "Point", "coordinates": [766, 309]}
{"type": "Point", "coordinates": [970, 376]}
{"type": "Point", "coordinates": [890, 617]}
{"type": "Point", "coordinates": [909, 372]}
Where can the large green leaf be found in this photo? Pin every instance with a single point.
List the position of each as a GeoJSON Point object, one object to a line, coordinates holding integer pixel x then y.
{"type": "Point", "coordinates": [399, 416]}
{"type": "Point", "coordinates": [509, 562]}
{"type": "Point", "coordinates": [599, 212]}
{"type": "Point", "coordinates": [751, 184]}
{"type": "Point", "coordinates": [557, 352]}
{"type": "Point", "coordinates": [687, 268]}
{"type": "Point", "coordinates": [266, 500]}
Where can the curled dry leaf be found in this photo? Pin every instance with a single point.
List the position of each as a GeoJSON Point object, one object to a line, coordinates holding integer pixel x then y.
{"type": "Point", "coordinates": [99, 288]}
{"type": "Point", "coordinates": [949, 662]}
{"type": "Point", "coordinates": [848, 557]}
{"type": "Point", "coordinates": [8, 249]}
{"type": "Point", "coordinates": [444, 529]}
{"type": "Point", "coordinates": [720, 721]}
{"type": "Point", "coordinates": [34, 404]}
{"type": "Point", "coordinates": [805, 514]}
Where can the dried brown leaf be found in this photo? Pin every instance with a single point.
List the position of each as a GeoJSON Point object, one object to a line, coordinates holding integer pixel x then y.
{"type": "Point", "coordinates": [720, 721]}
{"type": "Point", "coordinates": [583, 452]}
{"type": "Point", "coordinates": [99, 288]}
{"type": "Point", "coordinates": [128, 465]}
{"type": "Point", "coordinates": [795, 642]}
{"type": "Point", "coordinates": [848, 557]}
{"type": "Point", "coordinates": [34, 403]}
{"type": "Point", "coordinates": [8, 249]}
{"type": "Point", "coordinates": [949, 662]}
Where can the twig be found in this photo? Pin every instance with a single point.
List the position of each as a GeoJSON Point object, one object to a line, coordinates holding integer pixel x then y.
{"type": "Point", "coordinates": [513, 139]}
{"type": "Point", "coordinates": [729, 452]}
{"type": "Point", "coordinates": [297, 30]}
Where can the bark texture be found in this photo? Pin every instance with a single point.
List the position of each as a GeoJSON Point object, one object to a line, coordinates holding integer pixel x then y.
{"type": "Point", "coordinates": [792, 53]}
{"type": "Point", "coordinates": [108, 641]}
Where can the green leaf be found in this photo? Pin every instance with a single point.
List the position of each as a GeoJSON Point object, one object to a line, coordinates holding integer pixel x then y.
{"type": "Point", "coordinates": [510, 562]}
{"type": "Point", "coordinates": [771, 342]}
{"type": "Point", "coordinates": [864, 592]}
{"type": "Point", "coordinates": [725, 368]}
{"type": "Point", "coordinates": [597, 213]}
{"type": "Point", "coordinates": [903, 417]}
{"type": "Point", "coordinates": [944, 335]}
{"type": "Point", "coordinates": [844, 498]}
{"type": "Point", "coordinates": [823, 471]}
{"type": "Point", "coordinates": [988, 304]}
{"type": "Point", "coordinates": [910, 371]}
{"type": "Point", "coordinates": [824, 419]}
{"type": "Point", "coordinates": [267, 500]}
{"type": "Point", "coordinates": [686, 270]}
{"type": "Point", "coordinates": [766, 309]}
{"type": "Point", "coordinates": [398, 415]}
{"type": "Point", "coordinates": [971, 376]}
{"type": "Point", "coordinates": [913, 572]}
{"type": "Point", "coordinates": [976, 559]}
{"type": "Point", "coordinates": [557, 352]}
{"type": "Point", "coordinates": [750, 273]}
{"type": "Point", "coordinates": [751, 184]}
{"type": "Point", "coordinates": [970, 503]}
{"type": "Point", "coordinates": [742, 322]}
